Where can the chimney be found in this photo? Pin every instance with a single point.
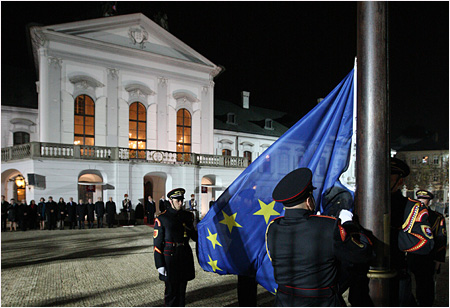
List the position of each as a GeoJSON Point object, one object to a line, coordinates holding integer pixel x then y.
{"type": "Point", "coordinates": [245, 99]}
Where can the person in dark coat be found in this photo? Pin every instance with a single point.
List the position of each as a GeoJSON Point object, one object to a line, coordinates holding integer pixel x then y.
{"type": "Point", "coordinates": [110, 212]}
{"type": "Point", "coordinates": [33, 215]}
{"type": "Point", "coordinates": [12, 215]}
{"type": "Point", "coordinates": [139, 212]}
{"type": "Point", "coordinates": [304, 247]}
{"type": "Point", "coordinates": [162, 205]}
{"type": "Point", "coordinates": [425, 267]}
{"type": "Point", "coordinates": [41, 213]}
{"type": "Point", "coordinates": [126, 208]}
{"type": "Point", "coordinates": [23, 215]}
{"type": "Point", "coordinates": [5, 206]}
{"type": "Point", "coordinates": [100, 211]}
{"type": "Point", "coordinates": [71, 208]}
{"type": "Point", "coordinates": [150, 209]}
{"type": "Point", "coordinates": [173, 254]}
{"type": "Point", "coordinates": [90, 213]}
{"type": "Point", "coordinates": [61, 213]}
{"type": "Point", "coordinates": [81, 213]}
{"type": "Point", "coordinates": [52, 208]}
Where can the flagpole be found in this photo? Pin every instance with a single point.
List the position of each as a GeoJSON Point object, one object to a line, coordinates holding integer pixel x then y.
{"type": "Point", "coordinates": [372, 198]}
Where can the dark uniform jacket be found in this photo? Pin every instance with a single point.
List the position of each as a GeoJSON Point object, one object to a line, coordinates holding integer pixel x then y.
{"type": "Point", "coordinates": [71, 211]}
{"type": "Point", "coordinates": [110, 212]}
{"type": "Point", "coordinates": [81, 211]}
{"type": "Point", "coordinates": [172, 232]}
{"type": "Point", "coordinates": [100, 208]}
{"type": "Point", "coordinates": [410, 229]}
{"type": "Point", "coordinates": [90, 211]}
{"type": "Point", "coordinates": [61, 210]}
{"type": "Point", "coordinates": [304, 249]}
{"type": "Point", "coordinates": [51, 208]}
{"type": "Point", "coordinates": [438, 227]}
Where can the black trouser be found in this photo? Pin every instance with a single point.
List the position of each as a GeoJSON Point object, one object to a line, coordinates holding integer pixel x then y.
{"type": "Point", "coordinates": [72, 224]}
{"type": "Point", "coordinates": [297, 297]}
{"type": "Point", "coordinates": [150, 218]}
{"type": "Point", "coordinates": [80, 224]}
{"type": "Point", "coordinates": [423, 268]}
{"type": "Point", "coordinates": [100, 221]}
{"type": "Point", "coordinates": [400, 289]}
{"type": "Point", "coordinates": [52, 222]}
{"type": "Point", "coordinates": [3, 223]}
{"type": "Point", "coordinates": [91, 224]}
{"type": "Point", "coordinates": [247, 291]}
{"type": "Point", "coordinates": [61, 224]}
{"type": "Point", "coordinates": [175, 294]}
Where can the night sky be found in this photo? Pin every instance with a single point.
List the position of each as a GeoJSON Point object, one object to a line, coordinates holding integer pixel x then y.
{"type": "Point", "coordinates": [286, 54]}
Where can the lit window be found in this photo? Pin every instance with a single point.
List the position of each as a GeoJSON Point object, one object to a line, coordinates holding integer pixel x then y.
{"type": "Point", "coordinates": [137, 130]}
{"type": "Point", "coordinates": [184, 127]}
{"type": "Point", "coordinates": [226, 152]}
{"type": "Point", "coordinates": [84, 122]}
{"type": "Point", "coordinates": [21, 138]}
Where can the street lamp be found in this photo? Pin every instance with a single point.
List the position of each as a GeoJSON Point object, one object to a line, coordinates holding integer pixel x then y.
{"type": "Point", "coordinates": [20, 181]}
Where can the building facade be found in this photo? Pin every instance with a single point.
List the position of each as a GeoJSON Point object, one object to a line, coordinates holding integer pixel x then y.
{"type": "Point", "coordinates": [123, 107]}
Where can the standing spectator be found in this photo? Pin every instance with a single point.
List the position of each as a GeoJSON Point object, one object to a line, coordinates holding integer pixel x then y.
{"type": "Point", "coordinates": [90, 213]}
{"type": "Point", "coordinates": [33, 215]}
{"type": "Point", "coordinates": [139, 212]}
{"type": "Point", "coordinates": [162, 205]}
{"type": "Point", "coordinates": [211, 203]}
{"type": "Point", "coordinates": [100, 211]}
{"type": "Point", "coordinates": [51, 208]}
{"type": "Point", "coordinates": [126, 208]}
{"type": "Point", "coordinates": [81, 213]}
{"type": "Point", "coordinates": [150, 209]}
{"type": "Point", "coordinates": [12, 215]}
{"type": "Point", "coordinates": [110, 212]}
{"type": "Point", "coordinates": [41, 213]}
{"type": "Point", "coordinates": [5, 206]}
{"type": "Point", "coordinates": [72, 213]}
{"type": "Point", "coordinates": [22, 215]}
{"type": "Point", "coordinates": [61, 213]}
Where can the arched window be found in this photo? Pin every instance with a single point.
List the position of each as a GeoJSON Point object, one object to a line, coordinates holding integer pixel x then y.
{"type": "Point", "coordinates": [248, 155]}
{"type": "Point", "coordinates": [226, 152]}
{"type": "Point", "coordinates": [183, 134]}
{"type": "Point", "coordinates": [21, 138]}
{"type": "Point", "coordinates": [84, 132]}
{"type": "Point", "coordinates": [137, 130]}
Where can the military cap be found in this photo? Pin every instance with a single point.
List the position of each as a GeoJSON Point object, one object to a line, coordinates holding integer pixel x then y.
{"type": "Point", "coordinates": [424, 194]}
{"type": "Point", "coordinates": [399, 167]}
{"type": "Point", "coordinates": [177, 193]}
{"type": "Point", "coordinates": [294, 188]}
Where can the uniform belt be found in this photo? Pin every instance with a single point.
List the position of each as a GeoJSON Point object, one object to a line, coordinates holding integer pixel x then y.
{"type": "Point", "coordinates": [175, 244]}
{"type": "Point", "coordinates": [303, 292]}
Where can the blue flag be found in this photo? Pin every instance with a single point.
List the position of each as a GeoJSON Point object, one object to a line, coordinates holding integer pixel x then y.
{"type": "Point", "coordinates": [231, 237]}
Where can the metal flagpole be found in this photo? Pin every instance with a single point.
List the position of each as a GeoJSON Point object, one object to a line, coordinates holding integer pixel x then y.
{"type": "Point", "coordinates": [372, 198]}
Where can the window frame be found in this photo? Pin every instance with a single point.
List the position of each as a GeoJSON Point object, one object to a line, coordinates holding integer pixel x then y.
{"type": "Point", "coordinates": [22, 135]}
{"type": "Point", "coordinates": [84, 116]}
{"type": "Point", "coordinates": [137, 152]}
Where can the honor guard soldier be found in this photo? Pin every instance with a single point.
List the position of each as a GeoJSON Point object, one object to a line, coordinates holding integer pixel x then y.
{"type": "Point", "coordinates": [173, 254]}
{"type": "Point", "coordinates": [424, 267]}
{"type": "Point", "coordinates": [304, 247]}
{"type": "Point", "coordinates": [410, 233]}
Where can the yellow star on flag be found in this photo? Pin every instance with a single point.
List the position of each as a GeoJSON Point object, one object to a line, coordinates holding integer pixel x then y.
{"type": "Point", "coordinates": [230, 221]}
{"type": "Point", "coordinates": [213, 239]}
{"type": "Point", "coordinates": [213, 264]}
{"type": "Point", "coordinates": [266, 210]}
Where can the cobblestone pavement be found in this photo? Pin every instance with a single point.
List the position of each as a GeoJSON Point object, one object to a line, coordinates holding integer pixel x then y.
{"type": "Point", "coordinates": [107, 267]}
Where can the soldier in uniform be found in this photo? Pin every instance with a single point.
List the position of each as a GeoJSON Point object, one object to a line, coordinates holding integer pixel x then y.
{"type": "Point", "coordinates": [173, 254]}
{"type": "Point", "coordinates": [424, 267]}
{"type": "Point", "coordinates": [304, 247]}
{"type": "Point", "coordinates": [410, 233]}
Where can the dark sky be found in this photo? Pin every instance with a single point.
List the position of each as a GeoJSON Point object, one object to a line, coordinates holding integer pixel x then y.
{"type": "Point", "coordinates": [287, 54]}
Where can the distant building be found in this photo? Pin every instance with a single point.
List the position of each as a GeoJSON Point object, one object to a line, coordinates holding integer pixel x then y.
{"type": "Point", "coordinates": [126, 107]}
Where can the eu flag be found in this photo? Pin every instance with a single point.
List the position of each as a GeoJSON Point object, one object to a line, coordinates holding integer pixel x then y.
{"type": "Point", "coordinates": [231, 237]}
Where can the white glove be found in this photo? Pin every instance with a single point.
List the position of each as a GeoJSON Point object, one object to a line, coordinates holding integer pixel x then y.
{"type": "Point", "coordinates": [318, 213]}
{"type": "Point", "coordinates": [345, 216]}
{"type": "Point", "coordinates": [162, 271]}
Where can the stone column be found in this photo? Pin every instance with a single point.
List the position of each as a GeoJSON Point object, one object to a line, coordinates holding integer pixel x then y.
{"type": "Point", "coordinates": [49, 98]}
{"type": "Point", "coordinates": [162, 102]}
{"type": "Point", "coordinates": [112, 107]}
{"type": "Point", "coordinates": [207, 142]}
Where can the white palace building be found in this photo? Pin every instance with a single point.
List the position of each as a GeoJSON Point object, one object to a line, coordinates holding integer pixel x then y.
{"type": "Point", "coordinates": [126, 107]}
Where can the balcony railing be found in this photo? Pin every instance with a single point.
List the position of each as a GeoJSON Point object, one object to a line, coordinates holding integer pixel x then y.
{"type": "Point", "coordinates": [68, 151]}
